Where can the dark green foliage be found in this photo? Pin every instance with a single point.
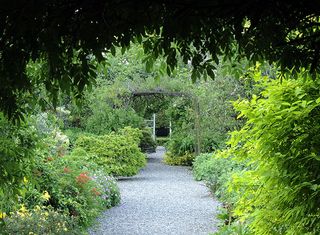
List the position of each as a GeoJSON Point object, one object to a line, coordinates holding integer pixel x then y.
{"type": "Point", "coordinates": [66, 34]}
{"type": "Point", "coordinates": [105, 120]}
{"type": "Point", "coordinates": [147, 144]}
{"type": "Point", "coordinates": [117, 154]}
{"type": "Point", "coordinates": [162, 141]}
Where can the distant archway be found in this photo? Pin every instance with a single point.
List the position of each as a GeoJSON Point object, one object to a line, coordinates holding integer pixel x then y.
{"type": "Point", "coordinates": [178, 94]}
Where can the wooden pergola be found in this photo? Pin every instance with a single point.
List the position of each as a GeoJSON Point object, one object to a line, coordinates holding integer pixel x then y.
{"type": "Point", "coordinates": [179, 94]}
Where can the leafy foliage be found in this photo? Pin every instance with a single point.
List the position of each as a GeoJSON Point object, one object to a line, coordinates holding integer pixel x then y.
{"type": "Point", "coordinates": [17, 148]}
{"type": "Point", "coordinates": [117, 154]}
{"type": "Point", "coordinates": [40, 221]}
{"type": "Point", "coordinates": [279, 142]}
{"type": "Point", "coordinates": [184, 160]}
{"type": "Point", "coordinates": [68, 35]}
{"type": "Point", "coordinates": [147, 144]}
{"type": "Point", "coordinates": [215, 170]}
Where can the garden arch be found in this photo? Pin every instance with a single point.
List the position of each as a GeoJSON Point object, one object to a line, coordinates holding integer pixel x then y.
{"type": "Point", "coordinates": [179, 94]}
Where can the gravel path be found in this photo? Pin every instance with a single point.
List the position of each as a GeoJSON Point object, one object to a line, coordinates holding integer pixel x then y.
{"type": "Point", "coordinates": [160, 200]}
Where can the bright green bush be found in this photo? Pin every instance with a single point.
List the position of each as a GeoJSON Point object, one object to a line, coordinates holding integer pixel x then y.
{"type": "Point", "coordinates": [117, 153]}
{"type": "Point", "coordinates": [280, 141]}
{"type": "Point", "coordinates": [184, 160]}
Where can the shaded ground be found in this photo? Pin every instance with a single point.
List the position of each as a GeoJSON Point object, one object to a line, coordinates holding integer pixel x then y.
{"type": "Point", "coordinates": [160, 200]}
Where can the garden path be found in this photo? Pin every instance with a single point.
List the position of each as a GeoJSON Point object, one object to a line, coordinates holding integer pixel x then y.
{"type": "Point", "coordinates": [160, 200]}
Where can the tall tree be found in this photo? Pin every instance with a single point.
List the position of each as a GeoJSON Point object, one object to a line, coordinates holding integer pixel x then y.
{"type": "Point", "coordinates": [66, 33]}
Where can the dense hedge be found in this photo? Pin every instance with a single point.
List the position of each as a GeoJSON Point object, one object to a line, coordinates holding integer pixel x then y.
{"type": "Point", "coordinates": [117, 153]}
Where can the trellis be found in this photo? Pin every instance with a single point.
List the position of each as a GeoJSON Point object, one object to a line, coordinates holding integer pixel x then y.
{"type": "Point", "coordinates": [178, 94]}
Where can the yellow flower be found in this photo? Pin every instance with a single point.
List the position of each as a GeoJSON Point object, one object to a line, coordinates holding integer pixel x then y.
{"type": "Point", "coordinates": [25, 180]}
{"type": "Point", "coordinates": [23, 209]}
{"type": "Point", "coordinates": [2, 215]}
{"type": "Point", "coordinates": [46, 196]}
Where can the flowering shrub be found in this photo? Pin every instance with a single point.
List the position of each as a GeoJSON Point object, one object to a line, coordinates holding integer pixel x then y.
{"type": "Point", "coordinates": [40, 220]}
{"type": "Point", "coordinates": [73, 184]}
{"type": "Point", "coordinates": [108, 189]}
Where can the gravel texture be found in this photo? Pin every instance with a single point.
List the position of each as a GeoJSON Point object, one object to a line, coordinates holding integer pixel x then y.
{"type": "Point", "coordinates": [160, 200]}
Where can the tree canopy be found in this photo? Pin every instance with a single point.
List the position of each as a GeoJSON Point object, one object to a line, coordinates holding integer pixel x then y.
{"type": "Point", "coordinates": [68, 34]}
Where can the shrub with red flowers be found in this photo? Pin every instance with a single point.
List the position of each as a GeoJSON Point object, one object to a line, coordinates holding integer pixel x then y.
{"type": "Point", "coordinates": [70, 184]}
{"type": "Point", "coordinates": [83, 178]}
{"type": "Point", "coordinates": [66, 170]}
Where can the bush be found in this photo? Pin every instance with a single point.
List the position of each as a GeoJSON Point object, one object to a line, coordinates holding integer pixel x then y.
{"type": "Point", "coordinates": [41, 220]}
{"type": "Point", "coordinates": [184, 160]}
{"type": "Point", "coordinates": [147, 144]}
{"type": "Point", "coordinates": [118, 154]}
{"type": "Point", "coordinates": [216, 170]}
{"type": "Point", "coordinates": [108, 187]}
{"type": "Point", "coordinates": [72, 184]}
{"type": "Point", "coordinates": [181, 143]}
{"type": "Point", "coordinates": [280, 140]}
{"type": "Point", "coordinates": [162, 141]}
{"type": "Point", "coordinates": [105, 119]}
{"type": "Point", "coordinates": [66, 185]}
{"type": "Point", "coordinates": [17, 147]}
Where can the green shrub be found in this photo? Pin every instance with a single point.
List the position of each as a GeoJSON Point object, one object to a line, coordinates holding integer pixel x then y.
{"type": "Point", "coordinates": [41, 220]}
{"type": "Point", "coordinates": [68, 186]}
{"type": "Point", "coordinates": [184, 160]}
{"type": "Point", "coordinates": [147, 144]}
{"type": "Point", "coordinates": [280, 140]}
{"type": "Point", "coordinates": [73, 134]}
{"type": "Point", "coordinates": [162, 141]}
{"type": "Point", "coordinates": [73, 184]}
{"type": "Point", "coordinates": [108, 187]}
{"type": "Point", "coordinates": [105, 119]}
{"type": "Point", "coordinates": [17, 147]}
{"type": "Point", "coordinates": [216, 170]}
{"type": "Point", "coordinates": [118, 154]}
{"type": "Point", "coordinates": [181, 143]}
{"type": "Point", "coordinates": [236, 228]}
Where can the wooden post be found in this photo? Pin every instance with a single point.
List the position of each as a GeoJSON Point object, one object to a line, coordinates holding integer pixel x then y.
{"type": "Point", "coordinates": [197, 125]}
{"type": "Point", "coordinates": [170, 129]}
